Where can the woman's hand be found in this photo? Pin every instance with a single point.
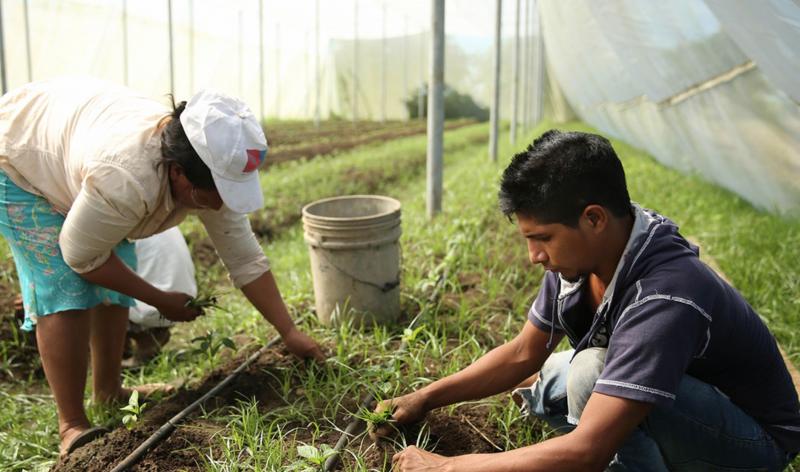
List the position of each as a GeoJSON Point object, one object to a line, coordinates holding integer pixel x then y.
{"type": "Point", "coordinates": [406, 409]}
{"type": "Point", "coordinates": [173, 306]}
{"type": "Point", "coordinates": [302, 346]}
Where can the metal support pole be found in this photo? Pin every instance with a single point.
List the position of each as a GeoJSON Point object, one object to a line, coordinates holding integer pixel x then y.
{"type": "Point", "coordinates": [421, 91]}
{"type": "Point", "coordinates": [171, 50]}
{"type": "Point", "coordinates": [240, 56]}
{"type": "Point", "coordinates": [354, 95]}
{"type": "Point", "coordinates": [515, 78]}
{"type": "Point", "coordinates": [495, 111]}
{"type": "Point", "coordinates": [261, 59]}
{"type": "Point", "coordinates": [277, 70]}
{"type": "Point", "coordinates": [526, 61]}
{"type": "Point", "coordinates": [125, 75]}
{"type": "Point", "coordinates": [28, 40]}
{"type": "Point", "coordinates": [191, 46]}
{"type": "Point", "coordinates": [538, 72]}
{"type": "Point", "coordinates": [383, 61]}
{"type": "Point", "coordinates": [405, 58]}
{"type": "Point", "coordinates": [316, 65]}
{"type": "Point", "coordinates": [436, 109]}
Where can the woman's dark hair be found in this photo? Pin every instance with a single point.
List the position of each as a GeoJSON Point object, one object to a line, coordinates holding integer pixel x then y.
{"type": "Point", "coordinates": [176, 149]}
{"type": "Point", "coordinates": [560, 174]}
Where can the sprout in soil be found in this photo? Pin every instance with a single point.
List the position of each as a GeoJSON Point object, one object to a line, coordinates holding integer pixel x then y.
{"type": "Point", "coordinates": [133, 409]}
{"type": "Point", "coordinates": [210, 344]}
{"type": "Point", "coordinates": [313, 458]}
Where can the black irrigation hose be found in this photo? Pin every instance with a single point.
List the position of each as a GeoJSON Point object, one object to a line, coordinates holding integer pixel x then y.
{"type": "Point", "coordinates": [164, 431]}
{"type": "Point", "coordinates": [349, 432]}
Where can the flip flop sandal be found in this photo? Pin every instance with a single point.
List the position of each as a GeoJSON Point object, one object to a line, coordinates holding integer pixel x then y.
{"type": "Point", "coordinates": [86, 437]}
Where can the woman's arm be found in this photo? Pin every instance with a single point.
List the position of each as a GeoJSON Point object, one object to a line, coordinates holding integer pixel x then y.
{"type": "Point", "coordinates": [263, 293]}
{"type": "Point", "coordinates": [115, 275]}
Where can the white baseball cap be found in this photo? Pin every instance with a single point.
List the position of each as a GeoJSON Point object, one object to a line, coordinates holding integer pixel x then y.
{"type": "Point", "coordinates": [230, 141]}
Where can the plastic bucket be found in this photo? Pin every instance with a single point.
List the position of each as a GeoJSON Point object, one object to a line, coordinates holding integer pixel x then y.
{"type": "Point", "coordinates": [353, 243]}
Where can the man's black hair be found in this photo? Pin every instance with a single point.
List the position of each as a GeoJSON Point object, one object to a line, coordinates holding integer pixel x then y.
{"type": "Point", "coordinates": [562, 173]}
{"type": "Point", "coordinates": [176, 149]}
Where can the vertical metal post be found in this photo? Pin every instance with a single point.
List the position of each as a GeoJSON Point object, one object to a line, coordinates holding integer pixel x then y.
{"type": "Point", "coordinates": [3, 82]}
{"type": "Point", "coordinates": [495, 111]}
{"type": "Point", "coordinates": [538, 72]}
{"type": "Point", "coordinates": [436, 110]}
{"type": "Point", "coordinates": [28, 40]}
{"type": "Point", "coordinates": [526, 61]}
{"type": "Point", "coordinates": [277, 70]}
{"type": "Point", "coordinates": [261, 59]}
{"type": "Point", "coordinates": [171, 50]}
{"type": "Point", "coordinates": [240, 56]}
{"type": "Point", "coordinates": [405, 58]}
{"type": "Point", "coordinates": [316, 65]}
{"type": "Point", "coordinates": [421, 91]}
{"type": "Point", "coordinates": [191, 46]}
{"type": "Point", "coordinates": [515, 78]}
{"type": "Point", "coordinates": [383, 61]}
{"type": "Point", "coordinates": [354, 95]}
{"type": "Point", "coordinates": [125, 77]}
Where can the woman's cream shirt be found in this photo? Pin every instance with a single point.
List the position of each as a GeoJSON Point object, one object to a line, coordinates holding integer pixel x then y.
{"type": "Point", "coordinates": [90, 148]}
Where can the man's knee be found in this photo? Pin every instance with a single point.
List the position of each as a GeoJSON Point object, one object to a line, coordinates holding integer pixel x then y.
{"type": "Point", "coordinates": [584, 371]}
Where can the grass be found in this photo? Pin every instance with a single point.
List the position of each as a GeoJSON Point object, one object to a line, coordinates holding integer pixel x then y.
{"type": "Point", "coordinates": [465, 273]}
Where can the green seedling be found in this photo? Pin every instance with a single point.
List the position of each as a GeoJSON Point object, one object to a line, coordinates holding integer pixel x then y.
{"type": "Point", "coordinates": [210, 344]}
{"type": "Point", "coordinates": [133, 410]}
{"type": "Point", "coordinates": [410, 335]}
{"type": "Point", "coordinates": [313, 458]}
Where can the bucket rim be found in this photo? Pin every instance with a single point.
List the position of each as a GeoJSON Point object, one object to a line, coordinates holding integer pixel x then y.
{"type": "Point", "coordinates": [306, 214]}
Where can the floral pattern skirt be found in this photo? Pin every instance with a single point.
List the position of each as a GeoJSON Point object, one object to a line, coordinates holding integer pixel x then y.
{"type": "Point", "coordinates": [31, 226]}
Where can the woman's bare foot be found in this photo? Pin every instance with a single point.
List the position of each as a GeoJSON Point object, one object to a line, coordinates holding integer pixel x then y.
{"type": "Point", "coordinates": [68, 435]}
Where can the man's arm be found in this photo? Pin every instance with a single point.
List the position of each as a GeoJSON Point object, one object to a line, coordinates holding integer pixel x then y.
{"type": "Point", "coordinates": [497, 371]}
{"type": "Point", "coordinates": [605, 424]}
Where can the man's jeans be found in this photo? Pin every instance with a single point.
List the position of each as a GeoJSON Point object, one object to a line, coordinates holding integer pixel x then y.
{"type": "Point", "coordinates": [701, 431]}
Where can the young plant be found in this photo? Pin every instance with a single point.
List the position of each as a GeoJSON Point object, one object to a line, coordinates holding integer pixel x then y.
{"type": "Point", "coordinates": [133, 410]}
{"type": "Point", "coordinates": [313, 458]}
{"type": "Point", "coordinates": [210, 344]}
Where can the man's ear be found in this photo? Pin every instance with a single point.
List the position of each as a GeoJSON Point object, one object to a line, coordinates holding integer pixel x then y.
{"type": "Point", "coordinates": [596, 216]}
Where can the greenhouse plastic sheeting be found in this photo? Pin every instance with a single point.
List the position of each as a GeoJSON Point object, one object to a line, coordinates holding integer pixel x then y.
{"type": "Point", "coordinates": [768, 31]}
{"type": "Point", "coordinates": [217, 45]}
{"type": "Point", "coordinates": [668, 78]}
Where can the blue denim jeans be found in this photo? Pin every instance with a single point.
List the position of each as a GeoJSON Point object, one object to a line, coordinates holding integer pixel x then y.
{"type": "Point", "coordinates": [701, 431]}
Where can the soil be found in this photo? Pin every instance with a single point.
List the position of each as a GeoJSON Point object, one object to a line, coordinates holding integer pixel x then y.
{"type": "Point", "coordinates": [20, 358]}
{"type": "Point", "coordinates": [182, 449]}
{"type": "Point", "coordinates": [466, 431]}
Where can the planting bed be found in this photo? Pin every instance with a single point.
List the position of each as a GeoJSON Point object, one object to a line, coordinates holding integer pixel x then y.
{"type": "Point", "coordinates": [462, 431]}
{"type": "Point", "coordinates": [290, 141]}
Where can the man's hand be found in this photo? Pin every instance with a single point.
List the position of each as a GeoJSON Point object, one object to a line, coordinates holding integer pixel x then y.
{"type": "Point", "coordinates": [414, 459]}
{"type": "Point", "coordinates": [173, 306]}
{"type": "Point", "coordinates": [302, 346]}
{"type": "Point", "coordinates": [406, 409]}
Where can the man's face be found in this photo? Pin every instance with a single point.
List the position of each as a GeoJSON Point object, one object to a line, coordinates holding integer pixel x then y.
{"type": "Point", "coordinates": [557, 247]}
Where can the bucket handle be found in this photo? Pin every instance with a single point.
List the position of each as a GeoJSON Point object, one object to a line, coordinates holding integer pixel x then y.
{"type": "Point", "coordinates": [388, 286]}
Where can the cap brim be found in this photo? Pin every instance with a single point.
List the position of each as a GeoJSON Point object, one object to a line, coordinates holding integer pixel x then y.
{"type": "Point", "coordinates": [240, 196]}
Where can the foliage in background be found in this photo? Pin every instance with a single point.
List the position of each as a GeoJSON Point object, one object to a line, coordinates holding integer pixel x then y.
{"type": "Point", "coordinates": [456, 104]}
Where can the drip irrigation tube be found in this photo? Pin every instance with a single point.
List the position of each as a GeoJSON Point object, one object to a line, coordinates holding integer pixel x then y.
{"type": "Point", "coordinates": [355, 422]}
{"type": "Point", "coordinates": [172, 423]}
